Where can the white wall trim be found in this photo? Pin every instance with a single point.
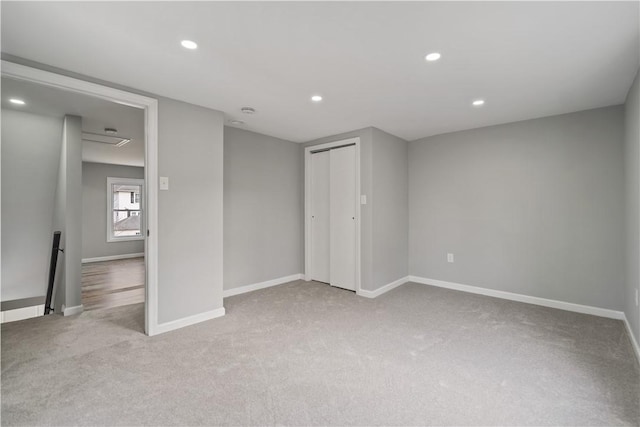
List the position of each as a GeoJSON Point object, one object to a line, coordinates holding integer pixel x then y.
{"type": "Point", "coordinates": [150, 107]}
{"type": "Point", "coordinates": [188, 321]}
{"type": "Point", "coordinates": [21, 313]}
{"type": "Point", "coordinates": [261, 285]}
{"type": "Point", "coordinates": [632, 338]}
{"type": "Point", "coordinates": [112, 257]}
{"type": "Point", "coordinates": [578, 308]}
{"type": "Point", "coordinates": [70, 311]}
{"type": "Point", "coordinates": [307, 206]}
{"type": "Point", "coordinates": [384, 289]}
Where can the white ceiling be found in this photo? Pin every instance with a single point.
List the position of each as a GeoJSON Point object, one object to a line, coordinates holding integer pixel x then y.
{"type": "Point", "coordinates": [97, 114]}
{"type": "Point", "coordinates": [527, 59]}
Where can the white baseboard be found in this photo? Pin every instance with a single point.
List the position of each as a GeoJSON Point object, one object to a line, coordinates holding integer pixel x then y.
{"type": "Point", "coordinates": [634, 342]}
{"type": "Point", "coordinates": [261, 285]}
{"type": "Point", "coordinates": [383, 289]}
{"type": "Point", "coordinates": [112, 257]}
{"type": "Point", "coordinates": [188, 321]}
{"type": "Point", "coordinates": [586, 309]}
{"type": "Point", "coordinates": [70, 311]}
{"type": "Point", "coordinates": [22, 313]}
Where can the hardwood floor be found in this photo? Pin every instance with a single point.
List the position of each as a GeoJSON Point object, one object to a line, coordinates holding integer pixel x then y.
{"type": "Point", "coordinates": [112, 283]}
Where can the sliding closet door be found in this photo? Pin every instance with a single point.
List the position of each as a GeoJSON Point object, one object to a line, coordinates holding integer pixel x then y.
{"type": "Point", "coordinates": [342, 217]}
{"type": "Point", "coordinates": [320, 217]}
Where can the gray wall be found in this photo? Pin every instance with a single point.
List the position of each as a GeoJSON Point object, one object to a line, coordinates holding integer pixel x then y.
{"type": "Point", "coordinates": [67, 215]}
{"type": "Point", "coordinates": [190, 213]}
{"type": "Point", "coordinates": [632, 196]}
{"type": "Point", "coordinates": [533, 207]}
{"type": "Point", "coordinates": [94, 210]}
{"type": "Point", "coordinates": [366, 184]}
{"type": "Point", "coordinates": [390, 206]}
{"type": "Point", "coordinates": [30, 158]}
{"type": "Point", "coordinates": [263, 208]}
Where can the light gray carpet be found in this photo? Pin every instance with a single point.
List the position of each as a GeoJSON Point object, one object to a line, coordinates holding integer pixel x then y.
{"type": "Point", "coordinates": [308, 354]}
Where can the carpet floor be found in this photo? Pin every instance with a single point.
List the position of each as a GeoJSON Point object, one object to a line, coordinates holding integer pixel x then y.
{"type": "Point", "coordinates": [308, 354]}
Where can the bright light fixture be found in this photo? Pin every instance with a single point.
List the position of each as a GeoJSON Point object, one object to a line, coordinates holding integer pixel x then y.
{"type": "Point", "coordinates": [188, 44]}
{"type": "Point", "coordinates": [16, 101]}
{"type": "Point", "coordinates": [316, 98]}
{"type": "Point", "coordinates": [478, 102]}
{"type": "Point", "coordinates": [236, 122]}
{"type": "Point", "coordinates": [433, 56]}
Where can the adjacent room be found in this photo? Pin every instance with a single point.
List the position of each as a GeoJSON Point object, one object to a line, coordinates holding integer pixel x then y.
{"type": "Point", "coordinates": [320, 213]}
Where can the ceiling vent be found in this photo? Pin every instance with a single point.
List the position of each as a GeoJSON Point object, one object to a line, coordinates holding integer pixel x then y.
{"type": "Point", "coordinates": [248, 110]}
{"type": "Point", "coordinates": [117, 141]}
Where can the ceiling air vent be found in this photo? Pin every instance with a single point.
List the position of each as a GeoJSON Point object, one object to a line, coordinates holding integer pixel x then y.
{"type": "Point", "coordinates": [117, 141]}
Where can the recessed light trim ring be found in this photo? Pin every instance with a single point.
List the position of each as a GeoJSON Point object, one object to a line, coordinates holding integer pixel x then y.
{"type": "Point", "coordinates": [433, 56]}
{"type": "Point", "coordinates": [189, 44]}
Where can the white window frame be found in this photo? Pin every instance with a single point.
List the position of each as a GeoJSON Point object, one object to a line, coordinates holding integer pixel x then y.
{"type": "Point", "coordinates": [111, 181]}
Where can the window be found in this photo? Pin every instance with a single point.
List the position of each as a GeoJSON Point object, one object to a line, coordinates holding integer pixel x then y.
{"type": "Point", "coordinates": [124, 209]}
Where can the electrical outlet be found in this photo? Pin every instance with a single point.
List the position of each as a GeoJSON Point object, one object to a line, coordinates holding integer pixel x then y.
{"type": "Point", "coordinates": [449, 257]}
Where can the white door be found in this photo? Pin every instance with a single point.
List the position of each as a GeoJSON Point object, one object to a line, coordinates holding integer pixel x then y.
{"type": "Point", "coordinates": [320, 216]}
{"type": "Point", "coordinates": [342, 252]}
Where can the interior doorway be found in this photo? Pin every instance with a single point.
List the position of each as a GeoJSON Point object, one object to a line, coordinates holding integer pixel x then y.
{"type": "Point", "coordinates": [113, 267]}
{"type": "Point", "coordinates": [148, 107]}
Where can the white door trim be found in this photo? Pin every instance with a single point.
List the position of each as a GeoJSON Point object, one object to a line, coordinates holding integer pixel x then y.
{"type": "Point", "coordinates": [307, 204]}
{"type": "Point", "coordinates": [150, 107]}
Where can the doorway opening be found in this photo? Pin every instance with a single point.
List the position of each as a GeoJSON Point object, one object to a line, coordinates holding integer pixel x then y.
{"type": "Point", "coordinates": [146, 235]}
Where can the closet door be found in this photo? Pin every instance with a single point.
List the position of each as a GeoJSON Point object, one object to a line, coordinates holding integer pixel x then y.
{"type": "Point", "coordinates": [342, 208]}
{"type": "Point", "coordinates": [320, 217]}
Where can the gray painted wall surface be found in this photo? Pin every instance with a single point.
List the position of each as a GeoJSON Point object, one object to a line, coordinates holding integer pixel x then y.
{"type": "Point", "coordinates": [366, 212]}
{"type": "Point", "coordinates": [263, 208]}
{"type": "Point", "coordinates": [94, 210]}
{"type": "Point", "coordinates": [632, 197]}
{"type": "Point", "coordinates": [30, 159]}
{"type": "Point", "coordinates": [390, 207]}
{"type": "Point", "coordinates": [67, 216]}
{"type": "Point", "coordinates": [190, 213]}
{"type": "Point", "coordinates": [534, 207]}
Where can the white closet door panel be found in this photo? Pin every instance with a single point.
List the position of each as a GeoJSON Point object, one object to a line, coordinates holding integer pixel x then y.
{"type": "Point", "coordinates": [320, 217]}
{"type": "Point", "coordinates": [343, 213]}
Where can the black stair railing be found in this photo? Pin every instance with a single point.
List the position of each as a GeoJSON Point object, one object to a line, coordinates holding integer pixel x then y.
{"type": "Point", "coordinates": [55, 248]}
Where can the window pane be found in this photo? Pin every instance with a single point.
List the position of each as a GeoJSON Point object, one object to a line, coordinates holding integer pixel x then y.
{"type": "Point", "coordinates": [126, 210]}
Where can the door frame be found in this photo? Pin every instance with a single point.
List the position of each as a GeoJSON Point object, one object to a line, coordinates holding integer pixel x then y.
{"type": "Point", "coordinates": [150, 107]}
{"type": "Point", "coordinates": [307, 204]}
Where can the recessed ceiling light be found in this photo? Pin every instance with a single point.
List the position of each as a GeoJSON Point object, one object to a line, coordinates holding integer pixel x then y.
{"type": "Point", "coordinates": [316, 98]}
{"type": "Point", "coordinates": [478, 103]}
{"type": "Point", "coordinates": [188, 44]}
{"type": "Point", "coordinates": [248, 110]}
{"type": "Point", "coordinates": [16, 101]}
{"type": "Point", "coordinates": [236, 122]}
{"type": "Point", "coordinates": [432, 57]}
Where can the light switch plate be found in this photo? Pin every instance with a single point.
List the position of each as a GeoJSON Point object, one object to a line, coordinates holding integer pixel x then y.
{"type": "Point", "coordinates": [363, 199]}
{"type": "Point", "coordinates": [164, 182]}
